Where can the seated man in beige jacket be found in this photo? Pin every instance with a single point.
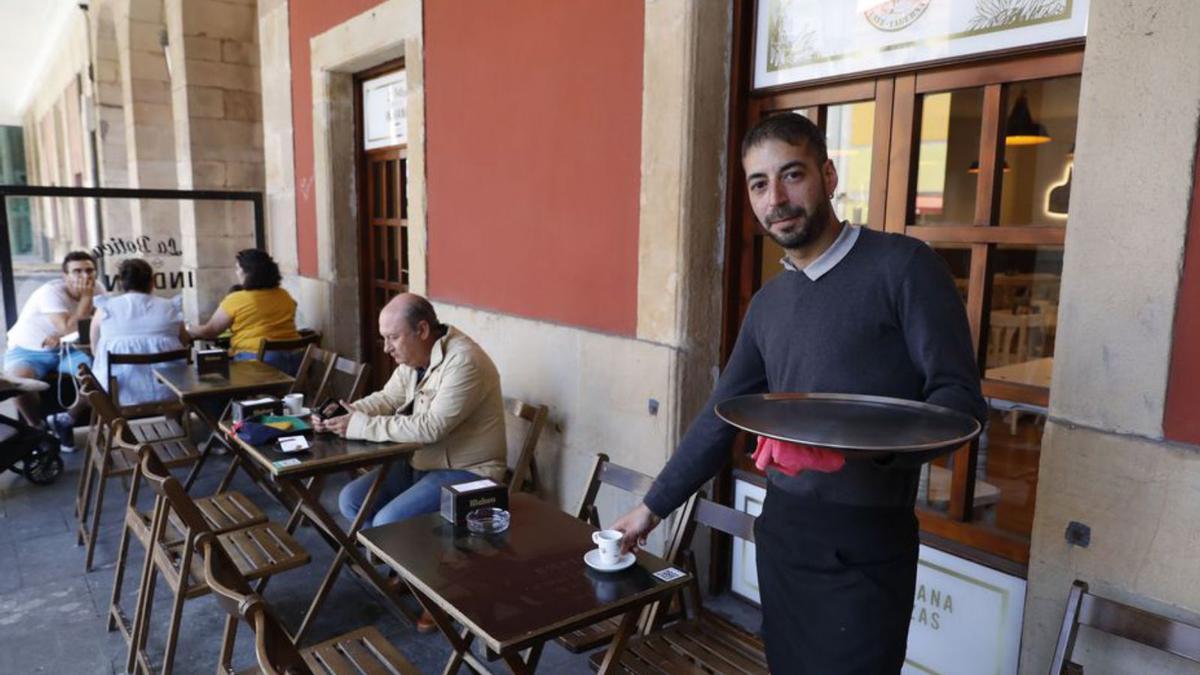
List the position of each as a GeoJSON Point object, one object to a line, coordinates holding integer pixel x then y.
{"type": "Point", "coordinates": [445, 395]}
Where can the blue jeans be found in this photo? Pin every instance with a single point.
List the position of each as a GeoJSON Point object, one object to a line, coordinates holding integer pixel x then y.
{"type": "Point", "coordinates": [287, 361]}
{"type": "Point", "coordinates": [405, 492]}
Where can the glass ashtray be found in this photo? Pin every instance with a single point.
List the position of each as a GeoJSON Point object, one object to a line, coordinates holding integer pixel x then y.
{"type": "Point", "coordinates": [487, 520]}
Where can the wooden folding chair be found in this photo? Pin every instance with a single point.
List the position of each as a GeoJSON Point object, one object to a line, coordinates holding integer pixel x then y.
{"type": "Point", "coordinates": [705, 643]}
{"type": "Point", "coordinates": [258, 552]}
{"type": "Point", "coordinates": [170, 407]}
{"type": "Point", "coordinates": [312, 373]}
{"type": "Point", "coordinates": [1115, 618]}
{"type": "Point", "coordinates": [604, 472]}
{"type": "Point", "coordinates": [290, 345]}
{"type": "Point", "coordinates": [144, 431]}
{"type": "Point", "coordinates": [361, 651]}
{"type": "Point", "coordinates": [106, 459]}
{"type": "Point", "coordinates": [222, 512]}
{"type": "Point", "coordinates": [345, 380]}
{"type": "Point", "coordinates": [523, 477]}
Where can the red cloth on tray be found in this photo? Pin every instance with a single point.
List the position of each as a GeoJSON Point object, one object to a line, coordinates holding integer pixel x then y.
{"type": "Point", "coordinates": [792, 458]}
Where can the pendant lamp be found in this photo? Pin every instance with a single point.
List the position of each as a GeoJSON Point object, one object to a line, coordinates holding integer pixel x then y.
{"type": "Point", "coordinates": [1021, 128]}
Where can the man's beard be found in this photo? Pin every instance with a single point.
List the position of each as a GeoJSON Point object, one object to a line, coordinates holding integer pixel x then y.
{"type": "Point", "coordinates": [807, 229]}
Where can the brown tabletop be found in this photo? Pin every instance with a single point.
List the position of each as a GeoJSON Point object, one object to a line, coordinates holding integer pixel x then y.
{"type": "Point", "coordinates": [521, 587]}
{"type": "Point", "coordinates": [245, 377]}
{"type": "Point", "coordinates": [327, 453]}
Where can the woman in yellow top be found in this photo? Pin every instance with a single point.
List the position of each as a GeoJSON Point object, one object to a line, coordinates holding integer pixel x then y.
{"type": "Point", "coordinates": [257, 309]}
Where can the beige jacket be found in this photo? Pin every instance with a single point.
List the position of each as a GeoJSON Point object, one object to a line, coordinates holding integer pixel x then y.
{"type": "Point", "coordinates": [457, 410]}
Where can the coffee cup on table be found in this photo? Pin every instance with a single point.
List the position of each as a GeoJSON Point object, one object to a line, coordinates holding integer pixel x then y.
{"type": "Point", "coordinates": [608, 543]}
{"type": "Point", "coordinates": [293, 403]}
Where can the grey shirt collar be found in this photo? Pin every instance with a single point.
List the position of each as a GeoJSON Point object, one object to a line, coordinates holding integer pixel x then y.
{"type": "Point", "coordinates": [831, 257]}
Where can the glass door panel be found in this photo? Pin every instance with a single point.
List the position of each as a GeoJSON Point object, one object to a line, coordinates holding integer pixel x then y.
{"type": "Point", "coordinates": [947, 157]}
{"type": "Point", "coordinates": [1039, 151]}
{"type": "Point", "coordinates": [849, 132]}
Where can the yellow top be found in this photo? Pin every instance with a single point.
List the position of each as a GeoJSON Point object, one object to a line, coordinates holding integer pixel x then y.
{"type": "Point", "coordinates": [264, 313]}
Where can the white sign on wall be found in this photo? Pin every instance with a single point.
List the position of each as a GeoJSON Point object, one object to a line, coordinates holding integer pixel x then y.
{"type": "Point", "coordinates": [966, 618]}
{"type": "Point", "coordinates": [802, 40]}
{"type": "Point", "coordinates": [385, 111]}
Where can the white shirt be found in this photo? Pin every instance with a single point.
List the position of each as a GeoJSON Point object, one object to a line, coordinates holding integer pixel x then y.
{"type": "Point", "coordinates": [33, 325]}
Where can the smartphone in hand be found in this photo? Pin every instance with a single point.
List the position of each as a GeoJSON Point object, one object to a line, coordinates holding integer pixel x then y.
{"type": "Point", "coordinates": [330, 408]}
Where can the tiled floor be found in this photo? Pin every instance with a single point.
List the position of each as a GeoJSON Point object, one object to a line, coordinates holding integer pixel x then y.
{"type": "Point", "coordinates": [52, 614]}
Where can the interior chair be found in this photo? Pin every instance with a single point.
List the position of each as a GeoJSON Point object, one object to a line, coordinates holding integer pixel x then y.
{"type": "Point", "coordinates": [258, 552]}
{"type": "Point", "coordinates": [361, 651]}
{"type": "Point", "coordinates": [1115, 618]}
{"type": "Point", "coordinates": [523, 477]}
{"type": "Point", "coordinates": [705, 643]}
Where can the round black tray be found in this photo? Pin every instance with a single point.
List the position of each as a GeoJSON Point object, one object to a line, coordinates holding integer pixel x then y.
{"type": "Point", "coordinates": [851, 422]}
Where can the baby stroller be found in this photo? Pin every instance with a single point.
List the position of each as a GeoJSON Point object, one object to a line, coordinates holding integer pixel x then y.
{"type": "Point", "coordinates": [25, 449]}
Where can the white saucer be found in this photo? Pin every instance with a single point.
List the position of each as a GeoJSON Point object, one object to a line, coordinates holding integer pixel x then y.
{"type": "Point", "coordinates": [592, 558]}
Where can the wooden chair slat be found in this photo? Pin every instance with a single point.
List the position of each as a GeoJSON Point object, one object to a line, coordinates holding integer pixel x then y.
{"type": "Point", "coordinates": [524, 472]}
{"type": "Point", "coordinates": [363, 659]}
{"type": "Point", "coordinates": [245, 552]}
{"type": "Point", "coordinates": [288, 345]}
{"type": "Point", "coordinates": [1116, 618]}
{"type": "Point", "coordinates": [625, 479]}
{"type": "Point", "coordinates": [659, 652]}
{"type": "Point", "coordinates": [713, 650]}
{"type": "Point", "coordinates": [327, 657]}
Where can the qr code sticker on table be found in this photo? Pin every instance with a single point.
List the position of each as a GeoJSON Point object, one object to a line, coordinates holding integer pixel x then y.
{"type": "Point", "coordinates": [669, 574]}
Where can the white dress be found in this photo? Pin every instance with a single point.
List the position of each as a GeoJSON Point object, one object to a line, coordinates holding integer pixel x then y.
{"type": "Point", "coordinates": [138, 323]}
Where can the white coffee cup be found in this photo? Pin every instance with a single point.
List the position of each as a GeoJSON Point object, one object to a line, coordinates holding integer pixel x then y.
{"type": "Point", "coordinates": [293, 403]}
{"type": "Point", "coordinates": [608, 542]}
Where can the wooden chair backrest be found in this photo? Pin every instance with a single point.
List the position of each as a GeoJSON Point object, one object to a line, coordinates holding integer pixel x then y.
{"type": "Point", "coordinates": [604, 472]}
{"type": "Point", "coordinates": [288, 345]}
{"type": "Point", "coordinates": [1014, 338]}
{"type": "Point", "coordinates": [345, 380]}
{"type": "Point", "coordinates": [274, 651]}
{"type": "Point", "coordinates": [1115, 618]}
{"type": "Point", "coordinates": [525, 469]}
{"type": "Point", "coordinates": [171, 491]}
{"type": "Point", "coordinates": [115, 359]}
{"type": "Point", "coordinates": [312, 374]}
{"type": "Point", "coordinates": [108, 425]}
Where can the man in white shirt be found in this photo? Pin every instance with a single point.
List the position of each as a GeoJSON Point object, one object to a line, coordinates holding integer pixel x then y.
{"type": "Point", "coordinates": [51, 312]}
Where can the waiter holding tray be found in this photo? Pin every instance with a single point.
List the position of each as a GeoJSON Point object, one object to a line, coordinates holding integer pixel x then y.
{"type": "Point", "coordinates": [856, 312]}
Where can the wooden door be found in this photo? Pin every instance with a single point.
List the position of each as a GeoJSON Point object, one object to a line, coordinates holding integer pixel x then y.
{"type": "Point", "coordinates": [384, 268]}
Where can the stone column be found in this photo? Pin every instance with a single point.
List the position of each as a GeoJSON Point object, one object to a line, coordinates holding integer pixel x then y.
{"type": "Point", "coordinates": [149, 128]}
{"type": "Point", "coordinates": [218, 136]}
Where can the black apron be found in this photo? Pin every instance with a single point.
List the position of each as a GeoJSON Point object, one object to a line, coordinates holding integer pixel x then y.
{"type": "Point", "coordinates": [836, 583]}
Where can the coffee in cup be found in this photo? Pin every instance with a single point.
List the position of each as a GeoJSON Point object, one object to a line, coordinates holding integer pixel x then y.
{"type": "Point", "coordinates": [608, 543]}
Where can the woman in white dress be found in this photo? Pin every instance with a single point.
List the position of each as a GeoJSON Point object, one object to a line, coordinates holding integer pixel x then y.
{"type": "Point", "coordinates": [136, 322]}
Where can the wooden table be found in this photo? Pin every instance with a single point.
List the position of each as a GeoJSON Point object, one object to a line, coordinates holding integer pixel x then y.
{"type": "Point", "coordinates": [518, 589]}
{"type": "Point", "coordinates": [1035, 372]}
{"type": "Point", "coordinates": [245, 378]}
{"type": "Point", "coordinates": [297, 479]}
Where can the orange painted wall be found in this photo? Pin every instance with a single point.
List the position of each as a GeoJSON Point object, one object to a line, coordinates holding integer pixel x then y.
{"type": "Point", "coordinates": [1181, 421]}
{"type": "Point", "coordinates": [533, 139]}
{"type": "Point", "coordinates": [307, 19]}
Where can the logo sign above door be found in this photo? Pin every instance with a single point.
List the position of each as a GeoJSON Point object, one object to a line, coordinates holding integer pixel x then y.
{"type": "Point", "coordinates": [805, 40]}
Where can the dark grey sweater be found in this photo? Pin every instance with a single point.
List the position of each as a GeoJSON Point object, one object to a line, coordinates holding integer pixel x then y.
{"type": "Point", "coordinates": [886, 320]}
